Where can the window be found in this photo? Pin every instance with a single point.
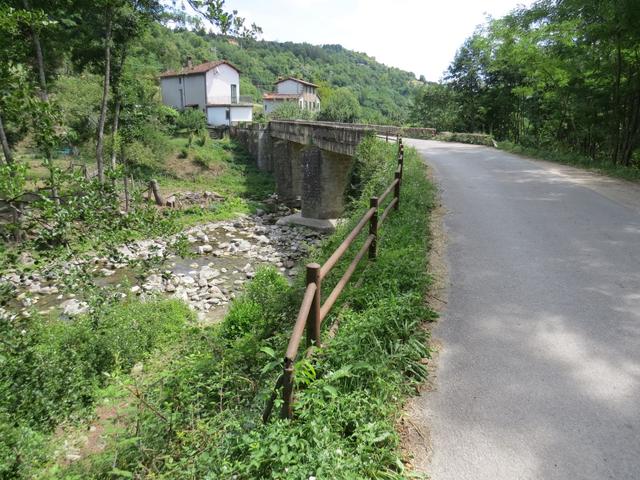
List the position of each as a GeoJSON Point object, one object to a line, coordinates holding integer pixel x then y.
{"type": "Point", "coordinates": [227, 114]}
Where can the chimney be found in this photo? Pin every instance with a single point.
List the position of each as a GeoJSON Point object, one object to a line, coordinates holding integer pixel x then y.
{"type": "Point", "coordinates": [189, 62]}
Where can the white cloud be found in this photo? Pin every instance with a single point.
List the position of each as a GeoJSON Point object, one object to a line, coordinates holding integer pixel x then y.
{"type": "Point", "coordinates": [419, 36]}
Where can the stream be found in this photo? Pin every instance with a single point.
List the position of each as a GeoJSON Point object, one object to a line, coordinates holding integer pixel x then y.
{"type": "Point", "coordinates": [223, 256]}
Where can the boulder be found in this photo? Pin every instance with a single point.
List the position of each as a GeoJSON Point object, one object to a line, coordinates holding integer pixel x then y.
{"type": "Point", "coordinates": [73, 307]}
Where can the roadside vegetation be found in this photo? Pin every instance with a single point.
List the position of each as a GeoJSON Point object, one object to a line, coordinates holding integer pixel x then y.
{"type": "Point", "coordinates": [191, 406]}
{"type": "Point", "coordinates": [559, 80]}
{"type": "Point", "coordinates": [602, 166]}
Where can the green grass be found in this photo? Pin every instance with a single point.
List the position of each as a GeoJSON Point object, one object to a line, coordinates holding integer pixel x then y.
{"type": "Point", "coordinates": [215, 382]}
{"type": "Point", "coordinates": [630, 173]}
{"type": "Point", "coordinates": [52, 370]}
{"type": "Point", "coordinates": [215, 165]}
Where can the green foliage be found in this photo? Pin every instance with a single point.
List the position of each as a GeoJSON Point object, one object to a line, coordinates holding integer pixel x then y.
{"type": "Point", "coordinates": [436, 106]}
{"type": "Point", "coordinates": [472, 138]}
{"type": "Point", "coordinates": [259, 309]}
{"type": "Point", "coordinates": [557, 76]}
{"type": "Point", "coordinates": [77, 96]}
{"type": "Point", "coordinates": [50, 370]}
{"type": "Point", "coordinates": [215, 386]}
{"type": "Point", "coordinates": [370, 171]}
{"type": "Point", "coordinates": [291, 111]}
{"type": "Point", "coordinates": [383, 92]}
{"type": "Point", "coordinates": [341, 105]}
{"type": "Point", "coordinates": [12, 180]}
{"type": "Point", "coordinates": [191, 122]}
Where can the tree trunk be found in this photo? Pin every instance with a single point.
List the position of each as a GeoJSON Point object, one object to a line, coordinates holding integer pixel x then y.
{"type": "Point", "coordinates": [42, 79]}
{"type": "Point", "coordinates": [116, 110]}
{"type": "Point", "coordinates": [8, 156]}
{"type": "Point", "coordinates": [105, 97]}
{"type": "Point", "coordinates": [116, 115]}
{"type": "Point", "coordinates": [125, 180]}
{"type": "Point", "coordinates": [617, 127]}
{"type": "Point", "coordinates": [18, 234]}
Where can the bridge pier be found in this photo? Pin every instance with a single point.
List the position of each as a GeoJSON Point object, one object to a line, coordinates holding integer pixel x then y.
{"type": "Point", "coordinates": [287, 170]}
{"type": "Point", "coordinates": [325, 177]}
{"type": "Point", "coordinates": [311, 161]}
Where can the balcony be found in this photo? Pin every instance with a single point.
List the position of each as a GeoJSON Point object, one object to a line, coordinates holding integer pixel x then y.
{"type": "Point", "coordinates": [228, 100]}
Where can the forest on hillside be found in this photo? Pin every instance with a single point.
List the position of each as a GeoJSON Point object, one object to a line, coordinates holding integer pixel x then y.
{"type": "Point", "coordinates": [559, 75]}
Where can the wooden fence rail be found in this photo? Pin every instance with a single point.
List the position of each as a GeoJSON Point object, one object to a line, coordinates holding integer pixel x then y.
{"type": "Point", "coordinates": [312, 311]}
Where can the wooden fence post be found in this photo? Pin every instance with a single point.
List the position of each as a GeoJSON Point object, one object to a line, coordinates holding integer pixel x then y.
{"type": "Point", "coordinates": [313, 322]}
{"type": "Point", "coordinates": [153, 185]}
{"type": "Point", "coordinates": [287, 389]}
{"type": "Point", "coordinates": [373, 227]}
{"type": "Point", "coordinates": [396, 189]}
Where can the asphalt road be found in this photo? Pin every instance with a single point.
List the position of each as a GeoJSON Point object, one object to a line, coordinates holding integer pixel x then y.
{"type": "Point", "coordinates": [539, 371]}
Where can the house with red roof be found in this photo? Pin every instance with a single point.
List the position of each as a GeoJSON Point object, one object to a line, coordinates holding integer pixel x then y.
{"type": "Point", "coordinates": [292, 89]}
{"type": "Point", "coordinates": [212, 87]}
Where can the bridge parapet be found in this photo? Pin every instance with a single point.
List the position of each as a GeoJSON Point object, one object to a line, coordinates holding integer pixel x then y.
{"type": "Point", "coordinates": [341, 138]}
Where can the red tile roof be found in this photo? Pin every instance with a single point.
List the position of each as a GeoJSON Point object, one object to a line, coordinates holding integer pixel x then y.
{"type": "Point", "coordinates": [196, 69]}
{"type": "Point", "coordinates": [304, 82]}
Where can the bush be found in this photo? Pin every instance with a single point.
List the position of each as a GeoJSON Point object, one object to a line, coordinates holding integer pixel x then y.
{"type": "Point", "coordinates": [49, 370]}
{"type": "Point", "coordinates": [341, 105]}
{"type": "Point", "coordinates": [472, 138]}
{"type": "Point", "coordinates": [192, 122]}
{"type": "Point", "coordinates": [140, 155]}
{"type": "Point", "coordinates": [291, 111]}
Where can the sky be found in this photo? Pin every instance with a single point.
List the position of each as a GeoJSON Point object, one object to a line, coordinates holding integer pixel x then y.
{"type": "Point", "coordinates": [419, 36]}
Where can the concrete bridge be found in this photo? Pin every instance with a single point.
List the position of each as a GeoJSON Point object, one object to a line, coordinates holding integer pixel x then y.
{"type": "Point", "coordinates": [311, 161]}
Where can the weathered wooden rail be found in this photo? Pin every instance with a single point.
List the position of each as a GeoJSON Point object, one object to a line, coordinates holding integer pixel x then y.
{"type": "Point", "coordinates": [312, 311]}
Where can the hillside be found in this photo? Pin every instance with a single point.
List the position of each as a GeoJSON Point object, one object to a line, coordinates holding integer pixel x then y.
{"type": "Point", "coordinates": [383, 92]}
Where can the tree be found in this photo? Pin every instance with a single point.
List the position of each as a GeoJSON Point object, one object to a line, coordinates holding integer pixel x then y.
{"type": "Point", "coordinates": [436, 105]}
{"type": "Point", "coordinates": [108, 28]}
{"type": "Point", "coordinates": [340, 106]}
{"type": "Point", "coordinates": [192, 121]}
{"type": "Point", "coordinates": [14, 86]}
{"type": "Point", "coordinates": [134, 18]}
{"type": "Point", "coordinates": [228, 23]}
{"type": "Point", "coordinates": [291, 111]}
{"type": "Point", "coordinates": [559, 74]}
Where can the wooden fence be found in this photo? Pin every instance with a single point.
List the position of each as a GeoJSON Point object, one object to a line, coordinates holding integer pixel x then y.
{"type": "Point", "coordinates": [313, 311]}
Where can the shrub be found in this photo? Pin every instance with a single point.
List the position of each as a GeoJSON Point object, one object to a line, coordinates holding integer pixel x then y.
{"type": "Point", "coordinates": [291, 111]}
{"type": "Point", "coordinates": [49, 370]}
{"type": "Point", "coordinates": [341, 105]}
{"type": "Point", "coordinates": [192, 122]}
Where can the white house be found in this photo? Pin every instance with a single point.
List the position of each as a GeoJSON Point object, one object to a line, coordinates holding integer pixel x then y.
{"type": "Point", "coordinates": [213, 87]}
{"type": "Point", "coordinates": [293, 90]}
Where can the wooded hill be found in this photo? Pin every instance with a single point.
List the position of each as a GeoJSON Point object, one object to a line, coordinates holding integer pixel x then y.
{"type": "Point", "coordinates": [384, 93]}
